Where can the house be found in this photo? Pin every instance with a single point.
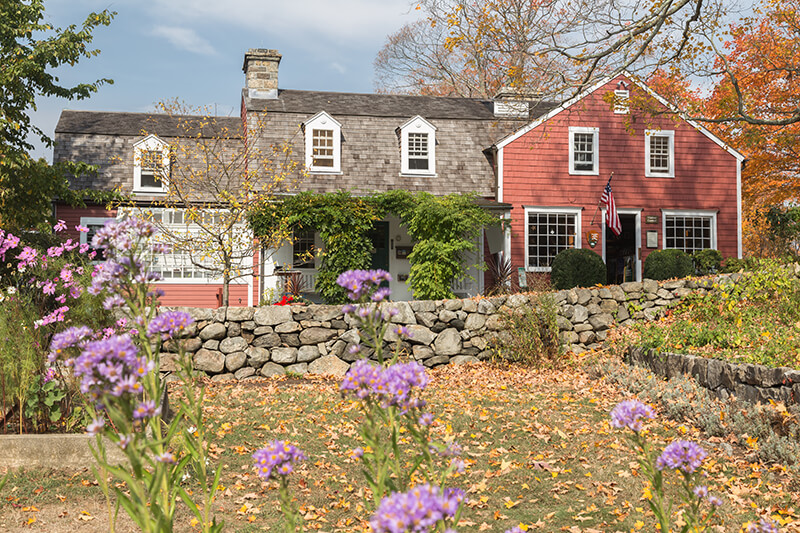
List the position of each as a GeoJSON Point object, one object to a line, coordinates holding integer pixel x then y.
{"type": "Point", "coordinates": [539, 164]}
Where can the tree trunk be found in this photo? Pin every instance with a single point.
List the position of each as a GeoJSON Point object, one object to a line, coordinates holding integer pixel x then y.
{"type": "Point", "coordinates": [226, 283]}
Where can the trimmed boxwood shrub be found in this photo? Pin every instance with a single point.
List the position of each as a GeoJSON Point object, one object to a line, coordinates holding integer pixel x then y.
{"type": "Point", "coordinates": [666, 264]}
{"type": "Point", "coordinates": [707, 261]}
{"type": "Point", "coordinates": [577, 267]}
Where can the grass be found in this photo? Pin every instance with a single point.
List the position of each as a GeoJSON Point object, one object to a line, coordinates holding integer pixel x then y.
{"type": "Point", "coordinates": [538, 447]}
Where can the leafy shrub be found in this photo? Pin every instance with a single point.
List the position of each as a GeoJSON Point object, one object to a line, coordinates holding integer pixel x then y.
{"type": "Point", "coordinates": [666, 264]}
{"type": "Point", "coordinates": [531, 334]}
{"type": "Point", "coordinates": [577, 267]}
{"type": "Point", "coordinates": [707, 261]}
{"type": "Point", "coordinates": [734, 264]}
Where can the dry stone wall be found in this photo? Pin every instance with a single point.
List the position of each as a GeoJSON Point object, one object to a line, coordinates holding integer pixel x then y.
{"type": "Point", "coordinates": [246, 342]}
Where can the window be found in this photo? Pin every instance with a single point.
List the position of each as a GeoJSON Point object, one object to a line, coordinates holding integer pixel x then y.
{"type": "Point", "coordinates": [151, 165]}
{"type": "Point", "coordinates": [323, 137]}
{"type": "Point", "coordinates": [418, 147]}
{"type": "Point", "coordinates": [690, 231]}
{"type": "Point", "coordinates": [549, 231]}
{"type": "Point", "coordinates": [659, 150]}
{"type": "Point", "coordinates": [94, 224]}
{"type": "Point", "coordinates": [583, 151]}
{"type": "Point", "coordinates": [303, 249]}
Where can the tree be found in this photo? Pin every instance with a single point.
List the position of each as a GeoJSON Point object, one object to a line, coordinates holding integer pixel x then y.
{"type": "Point", "coordinates": [29, 51]}
{"type": "Point", "coordinates": [216, 174]}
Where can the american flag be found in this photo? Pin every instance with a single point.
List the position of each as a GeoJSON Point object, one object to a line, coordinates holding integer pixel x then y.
{"type": "Point", "coordinates": [612, 217]}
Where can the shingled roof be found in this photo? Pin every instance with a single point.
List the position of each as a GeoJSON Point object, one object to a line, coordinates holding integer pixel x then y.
{"type": "Point", "coordinates": [134, 124]}
{"type": "Point", "coordinates": [383, 105]}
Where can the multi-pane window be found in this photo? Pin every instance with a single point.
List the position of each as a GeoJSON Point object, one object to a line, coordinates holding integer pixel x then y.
{"type": "Point", "coordinates": [548, 234]}
{"type": "Point", "coordinates": [418, 151]}
{"type": "Point", "coordinates": [303, 249]}
{"type": "Point", "coordinates": [151, 166]}
{"type": "Point", "coordinates": [660, 153]}
{"type": "Point", "coordinates": [583, 151]}
{"type": "Point", "coordinates": [322, 145]}
{"type": "Point", "coordinates": [689, 233]}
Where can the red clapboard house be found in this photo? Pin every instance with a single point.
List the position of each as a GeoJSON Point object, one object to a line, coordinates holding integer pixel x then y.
{"type": "Point", "coordinates": [675, 185]}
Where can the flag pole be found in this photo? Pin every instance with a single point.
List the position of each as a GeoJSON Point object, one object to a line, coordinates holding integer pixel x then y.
{"type": "Point", "coordinates": [597, 208]}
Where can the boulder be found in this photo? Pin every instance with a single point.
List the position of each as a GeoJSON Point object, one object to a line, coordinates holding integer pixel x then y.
{"type": "Point", "coordinates": [267, 341]}
{"type": "Point", "coordinates": [421, 352]}
{"type": "Point", "coordinates": [284, 356]}
{"type": "Point", "coordinates": [234, 361]}
{"type": "Point", "coordinates": [272, 369]}
{"type": "Point", "coordinates": [272, 315]}
{"type": "Point", "coordinates": [244, 372]}
{"type": "Point", "coordinates": [232, 344]}
{"type": "Point", "coordinates": [209, 361]}
{"type": "Point", "coordinates": [447, 343]}
{"type": "Point", "coordinates": [463, 359]}
{"type": "Point", "coordinates": [297, 368]}
{"type": "Point", "coordinates": [421, 334]}
{"type": "Point", "coordinates": [329, 365]}
{"type": "Point", "coordinates": [306, 354]}
{"type": "Point", "coordinates": [316, 335]}
{"type": "Point", "coordinates": [240, 314]}
{"type": "Point", "coordinates": [215, 330]}
{"type": "Point", "coordinates": [287, 327]}
{"type": "Point", "coordinates": [223, 377]}
{"type": "Point", "coordinates": [437, 360]}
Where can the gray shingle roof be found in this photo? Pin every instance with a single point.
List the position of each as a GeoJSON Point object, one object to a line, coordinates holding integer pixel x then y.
{"type": "Point", "coordinates": [133, 124]}
{"type": "Point", "coordinates": [383, 105]}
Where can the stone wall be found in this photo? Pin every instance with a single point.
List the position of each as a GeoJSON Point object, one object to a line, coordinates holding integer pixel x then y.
{"type": "Point", "coordinates": [748, 382]}
{"type": "Point", "coordinates": [241, 342]}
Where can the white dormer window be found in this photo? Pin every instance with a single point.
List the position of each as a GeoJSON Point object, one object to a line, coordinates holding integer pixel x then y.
{"type": "Point", "coordinates": [151, 166]}
{"type": "Point", "coordinates": [583, 151]}
{"type": "Point", "coordinates": [659, 154]}
{"type": "Point", "coordinates": [323, 137]}
{"type": "Point", "coordinates": [418, 147]}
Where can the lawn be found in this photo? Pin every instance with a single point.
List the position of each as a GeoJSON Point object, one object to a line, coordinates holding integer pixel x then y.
{"type": "Point", "coordinates": [538, 447]}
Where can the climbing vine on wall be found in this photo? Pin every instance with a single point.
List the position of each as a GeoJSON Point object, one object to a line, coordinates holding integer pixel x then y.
{"type": "Point", "coordinates": [444, 229]}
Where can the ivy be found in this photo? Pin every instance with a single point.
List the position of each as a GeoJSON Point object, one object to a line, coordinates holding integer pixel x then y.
{"type": "Point", "coordinates": [444, 229]}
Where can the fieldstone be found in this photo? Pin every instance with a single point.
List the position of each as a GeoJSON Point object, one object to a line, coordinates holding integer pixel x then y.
{"type": "Point", "coordinates": [257, 356]}
{"type": "Point", "coordinates": [457, 323]}
{"type": "Point", "coordinates": [593, 309]}
{"type": "Point", "coordinates": [652, 313]}
{"type": "Point", "coordinates": [219, 314]}
{"type": "Point", "coordinates": [517, 300]}
{"type": "Point", "coordinates": [650, 285]}
{"type": "Point", "coordinates": [568, 337]}
{"type": "Point", "coordinates": [485, 307]}
{"type": "Point", "coordinates": [209, 361]}
{"type": "Point", "coordinates": [580, 328]}
{"type": "Point", "coordinates": [674, 365]}
{"type": "Point", "coordinates": [234, 329]}
{"type": "Point", "coordinates": [463, 359]}
{"type": "Point", "coordinates": [634, 296]}
{"type": "Point", "coordinates": [307, 354]}
{"type": "Point", "coordinates": [297, 368]}
{"type": "Point", "coordinates": [580, 314]}
{"type": "Point", "coordinates": [329, 365]}
{"type": "Point", "coordinates": [215, 330]}
{"type": "Point", "coordinates": [448, 342]}
{"type": "Point", "coordinates": [267, 341]}
{"type": "Point", "coordinates": [438, 327]}
{"type": "Point", "coordinates": [337, 349]}
{"type": "Point", "coordinates": [426, 318]}
{"type": "Point", "coordinates": [495, 323]}
{"type": "Point", "coordinates": [323, 347]}
{"type": "Point", "coordinates": [419, 306]}
{"type": "Point", "coordinates": [232, 344]}
{"type": "Point", "coordinates": [222, 377]}
{"type": "Point", "coordinates": [469, 306]}
{"type": "Point", "coordinates": [617, 293]}
{"type": "Point", "coordinates": [631, 286]}
{"type": "Point", "coordinates": [272, 369]}
{"type": "Point", "coordinates": [316, 335]}
{"type": "Point", "coordinates": [676, 284]}
{"type": "Point", "coordinates": [572, 297]}
{"type": "Point", "coordinates": [290, 339]}
{"type": "Point", "coordinates": [262, 330]}
{"type": "Point", "coordinates": [474, 321]}
{"type": "Point", "coordinates": [436, 360]}
{"type": "Point", "coordinates": [421, 334]}
{"type": "Point", "coordinates": [272, 315]}
{"type": "Point", "coordinates": [244, 372]}
{"type": "Point", "coordinates": [447, 316]}
{"type": "Point", "coordinates": [189, 345]}
{"type": "Point", "coordinates": [586, 337]}
{"type": "Point", "coordinates": [240, 314]}
{"type": "Point", "coordinates": [600, 336]}
{"type": "Point", "coordinates": [622, 313]}
{"type": "Point", "coordinates": [324, 313]}
{"type": "Point", "coordinates": [287, 327]}
{"type": "Point", "coordinates": [197, 313]}
{"type": "Point", "coordinates": [452, 305]}
{"type": "Point", "coordinates": [211, 344]}
{"type": "Point", "coordinates": [563, 323]}
{"type": "Point", "coordinates": [351, 336]}
{"type": "Point", "coordinates": [249, 325]}
{"type": "Point", "coordinates": [609, 306]}
{"type": "Point", "coordinates": [769, 376]}
{"type": "Point", "coordinates": [479, 342]}
{"type": "Point", "coordinates": [584, 295]}
{"type": "Point", "coordinates": [284, 356]}
{"type": "Point", "coordinates": [601, 321]}
{"type": "Point", "coordinates": [747, 393]}
{"type": "Point", "coordinates": [792, 376]}
{"type": "Point", "coordinates": [405, 315]}
{"type": "Point", "coordinates": [338, 324]}
{"type": "Point", "coordinates": [169, 362]}
{"type": "Point", "coordinates": [714, 375]}
{"type": "Point", "coordinates": [604, 293]}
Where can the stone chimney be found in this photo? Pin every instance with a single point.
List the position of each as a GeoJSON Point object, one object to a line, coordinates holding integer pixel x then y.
{"type": "Point", "coordinates": [261, 73]}
{"type": "Point", "coordinates": [513, 102]}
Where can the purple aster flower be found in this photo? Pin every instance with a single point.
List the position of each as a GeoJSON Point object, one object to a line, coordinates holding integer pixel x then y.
{"type": "Point", "coordinates": [426, 419]}
{"type": "Point", "coordinates": [765, 525]}
{"type": "Point", "coordinates": [714, 500]}
{"type": "Point", "coordinates": [515, 529]}
{"type": "Point", "coordinates": [70, 337]}
{"type": "Point", "coordinates": [125, 441]}
{"type": "Point", "coordinates": [403, 331]}
{"type": "Point", "coordinates": [380, 294]}
{"type": "Point", "coordinates": [49, 375]}
{"type": "Point", "coordinates": [681, 455]}
{"type": "Point", "coordinates": [146, 409]}
{"type": "Point", "coordinates": [701, 491]}
{"type": "Point", "coordinates": [357, 453]}
{"type": "Point", "coordinates": [630, 414]}
{"type": "Point", "coordinates": [115, 300]}
{"type": "Point", "coordinates": [95, 426]}
{"type": "Point", "coordinates": [419, 510]}
{"type": "Point", "coordinates": [364, 379]}
{"type": "Point", "coordinates": [354, 349]}
{"type": "Point", "coordinates": [360, 284]}
{"type": "Point", "coordinates": [170, 324]}
{"type": "Point", "coordinates": [165, 457]}
{"type": "Point", "coordinates": [278, 457]}
{"type": "Point", "coordinates": [111, 366]}
{"type": "Point", "coordinates": [75, 292]}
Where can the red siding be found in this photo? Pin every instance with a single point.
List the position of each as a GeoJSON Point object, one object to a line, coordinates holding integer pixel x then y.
{"type": "Point", "coordinates": [72, 216]}
{"type": "Point", "coordinates": [536, 173]}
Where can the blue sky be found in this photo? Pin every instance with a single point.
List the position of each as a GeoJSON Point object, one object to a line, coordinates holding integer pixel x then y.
{"type": "Point", "coordinates": [157, 50]}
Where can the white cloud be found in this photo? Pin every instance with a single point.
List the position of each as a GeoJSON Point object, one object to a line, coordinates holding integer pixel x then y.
{"type": "Point", "coordinates": [185, 39]}
{"type": "Point", "coordinates": [354, 21]}
{"type": "Point", "coordinates": [338, 67]}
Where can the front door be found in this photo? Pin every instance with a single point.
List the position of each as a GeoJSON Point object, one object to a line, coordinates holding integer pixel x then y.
{"type": "Point", "coordinates": [379, 235]}
{"type": "Point", "coordinates": [621, 252]}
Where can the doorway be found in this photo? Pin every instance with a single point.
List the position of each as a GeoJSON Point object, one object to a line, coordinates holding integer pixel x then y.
{"type": "Point", "coordinates": [379, 235]}
{"type": "Point", "coordinates": [621, 251]}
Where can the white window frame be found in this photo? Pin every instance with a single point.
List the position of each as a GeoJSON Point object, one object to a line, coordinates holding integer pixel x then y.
{"type": "Point", "coordinates": [576, 211]}
{"type": "Point", "coordinates": [595, 171]}
{"type": "Point", "coordinates": [323, 121]}
{"type": "Point", "coordinates": [670, 135]}
{"type": "Point", "coordinates": [151, 143]}
{"type": "Point", "coordinates": [707, 213]}
{"type": "Point", "coordinates": [417, 125]}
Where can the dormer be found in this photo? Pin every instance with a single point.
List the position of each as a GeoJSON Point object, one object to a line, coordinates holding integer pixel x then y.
{"type": "Point", "coordinates": [323, 138]}
{"type": "Point", "coordinates": [418, 147]}
{"type": "Point", "coordinates": [151, 166]}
